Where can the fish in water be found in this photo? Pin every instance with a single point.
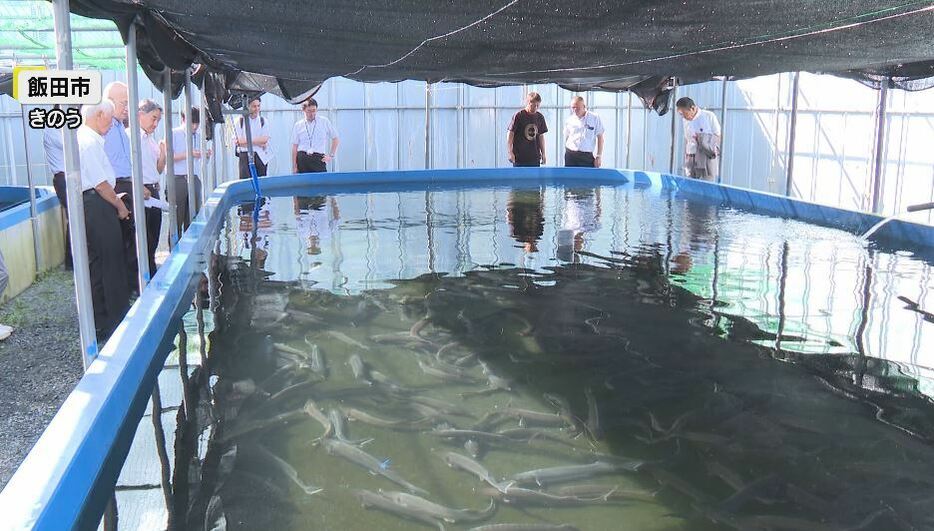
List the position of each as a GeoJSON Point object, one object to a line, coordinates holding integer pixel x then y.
{"type": "Point", "coordinates": [373, 465]}
{"type": "Point", "coordinates": [593, 416]}
{"type": "Point", "coordinates": [525, 527]}
{"type": "Point", "coordinates": [318, 363]}
{"type": "Point", "coordinates": [371, 499]}
{"type": "Point", "coordinates": [359, 369]}
{"type": "Point", "coordinates": [462, 462]}
{"type": "Point", "coordinates": [337, 421]}
{"type": "Point", "coordinates": [563, 474]}
{"type": "Point", "coordinates": [439, 511]}
{"type": "Point", "coordinates": [344, 338]}
{"type": "Point", "coordinates": [289, 471]}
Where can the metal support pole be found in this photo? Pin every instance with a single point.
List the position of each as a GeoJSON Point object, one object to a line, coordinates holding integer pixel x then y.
{"type": "Point", "coordinates": [206, 186]}
{"type": "Point", "coordinates": [427, 125]}
{"type": "Point", "coordinates": [189, 151]}
{"type": "Point", "coordinates": [248, 130]}
{"type": "Point", "coordinates": [722, 129]}
{"type": "Point", "coordinates": [170, 158]}
{"type": "Point", "coordinates": [616, 144]}
{"type": "Point", "coordinates": [879, 166]}
{"type": "Point", "coordinates": [792, 131]}
{"type": "Point", "coordinates": [33, 208]}
{"type": "Point", "coordinates": [214, 152]}
{"type": "Point", "coordinates": [224, 146]}
{"type": "Point", "coordinates": [79, 241]}
{"type": "Point", "coordinates": [136, 161]}
{"type": "Point", "coordinates": [629, 130]}
{"type": "Point", "coordinates": [674, 97]}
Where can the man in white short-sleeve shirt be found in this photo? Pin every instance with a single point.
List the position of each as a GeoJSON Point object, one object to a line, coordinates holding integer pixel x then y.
{"type": "Point", "coordinates": [314, 141]}
{"type": "Point", "coordinates": [583, 136]}
{"type": "Point", "coordinates": [260, 136]}
{"type": "Point", "coordinates": [701, 140]}
{"type": "Point", "coordinates": [103, 210]}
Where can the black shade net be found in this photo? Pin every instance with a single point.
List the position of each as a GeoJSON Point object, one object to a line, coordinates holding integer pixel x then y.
{"type": "Point", "coordinates": [290, 47]}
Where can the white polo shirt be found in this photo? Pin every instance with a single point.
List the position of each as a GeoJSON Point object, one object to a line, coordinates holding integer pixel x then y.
{"type": "Point", "coordinates": [258, 127]}
{"type": "Point", "coordinates": [54, 150]}
{"type": "Point", "coordinates": [580, 134]}
{"type": "Point", "coordinates": [704, 122]}
{"type": "Point", "coordinates": [150, 154]}
{"type": "Point", "coordinates": [314, 136]}
{"type": "Point", "coordinates": [95, 166]}
{"type": "Point", "coordinates": [180, 167]}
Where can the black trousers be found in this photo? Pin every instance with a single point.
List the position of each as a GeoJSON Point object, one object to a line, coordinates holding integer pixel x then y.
{"type": "Point", "coordinates": [526, 164]}
{"type": "Point", "coordinates": [313, 163]}
{"type": "Point", "coordinates": [582, 159]}
{"type": "Point", "coordinates": [181, 202]}
{"type": "Point", "coordinates": [127, 229]}
{"type": "Point", "coordinates": [110, 294]}
{"type": "Point", "coordinates": [153, 228]}
{"type": "Point", "coordinates": [58, 182]}
{"type": "Point", "coordinates": [245, 166]}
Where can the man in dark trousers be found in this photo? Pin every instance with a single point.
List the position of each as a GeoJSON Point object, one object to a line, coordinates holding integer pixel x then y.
{"type": "Point", "coordinates": [117, 147]}
{"type": "Point", "coordinates": [525, 142]}
{"type": "Point", "coordinates": [180, 168]}
{"type": "Point", "coordinates": [314, 141]}
{"type": "Point", "coordinates": [260, 137]}
{"type": "Point", "coordinates": [103, 211]}
{"type": "Point", "coordinates": [55, 159]}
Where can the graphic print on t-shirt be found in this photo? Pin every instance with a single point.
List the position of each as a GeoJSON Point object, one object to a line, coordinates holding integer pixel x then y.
{"type": "Point", "coordinates": [531, 132]}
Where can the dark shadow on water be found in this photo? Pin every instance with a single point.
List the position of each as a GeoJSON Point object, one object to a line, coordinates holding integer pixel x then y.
{"type": "Point", "coordinates": [742, 435]}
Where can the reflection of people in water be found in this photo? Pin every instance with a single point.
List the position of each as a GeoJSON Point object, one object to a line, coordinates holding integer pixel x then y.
{"type": "Point", "coordinates": [259, 243]}
{"type": "Point", "coordinates": [581, 215]}
{"type": "Point", "coordinates": [525, 213]}
{"type": "Point", "coordinates": [696, 233]}
{"type": "Point", "coordinates": [317, 218]}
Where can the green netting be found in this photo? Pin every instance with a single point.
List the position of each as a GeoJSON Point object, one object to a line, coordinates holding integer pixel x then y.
{"type": "Point", "coordinates": [27, 37]}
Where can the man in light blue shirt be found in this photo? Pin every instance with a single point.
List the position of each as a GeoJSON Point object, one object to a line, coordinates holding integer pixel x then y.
{"type": "Point", "coordinates": [117, 147]}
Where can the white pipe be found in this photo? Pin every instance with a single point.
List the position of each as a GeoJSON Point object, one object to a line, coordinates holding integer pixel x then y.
{"type": "Point", "coordinates": [33, 208]}
{"type": "Point", "coordinates": [189, 150]}
{"type": "Point", "coordinates": [79, 240]}
{"type": "Point", "coordinates": [136, 160]}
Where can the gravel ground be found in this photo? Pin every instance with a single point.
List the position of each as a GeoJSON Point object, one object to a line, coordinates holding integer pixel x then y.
{"type": "Point", "coordinates": [39, 364]}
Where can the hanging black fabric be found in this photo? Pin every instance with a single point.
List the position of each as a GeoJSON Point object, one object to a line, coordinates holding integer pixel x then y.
{"type": "Point", "coordinates": [290, 47]}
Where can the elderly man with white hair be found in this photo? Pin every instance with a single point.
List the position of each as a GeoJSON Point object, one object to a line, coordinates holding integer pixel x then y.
{"type": "Point", "coordinates": [103, 212]}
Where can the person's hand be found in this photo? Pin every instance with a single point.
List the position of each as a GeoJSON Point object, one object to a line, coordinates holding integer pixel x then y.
{"type": "Point", "coordinates": [161, 148]}
{"type": "Point", "coordinates": [294, 169]}
{"type": "Point", "coordinates": [146, 193]}
{"type": "Point", "coordinates": [597, 161]}
{"type": "Point", "coordinates": [326, 159]}
{"type": "Point", "coordinates": [210, 152]}
{"type": "Point", "coordinates": [122, 212]}
{"type": "Point", "coordinates": [543, 159]}
{"type": "Point", "coordinates": [196, 153]}
{"type": "Point", "coordinates": [512, 157]}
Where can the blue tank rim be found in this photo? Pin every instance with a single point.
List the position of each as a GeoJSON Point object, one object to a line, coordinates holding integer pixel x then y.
{"type": "Point", "coordinates": [45, 200]}
{"type": "Point", "coordinates": [68, 476]}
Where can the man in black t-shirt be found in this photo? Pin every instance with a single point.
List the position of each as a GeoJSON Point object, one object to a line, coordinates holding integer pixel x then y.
{"type": "Point", "coordinates": [525, 143]}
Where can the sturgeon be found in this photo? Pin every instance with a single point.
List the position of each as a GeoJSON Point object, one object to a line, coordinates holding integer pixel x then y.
{"type": "Point", "coordinates": [462, 462]}
{"type": "Point", "coordinates": [562, 474]}
{"type": "Point", "coordinates": [371, 499]}
{"type": "Point", "coordinates": [440, 511]}
{"type": "Point", "coordinates": [289, 471]}
{"type": "Point", "coordinates": [373, 465]}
